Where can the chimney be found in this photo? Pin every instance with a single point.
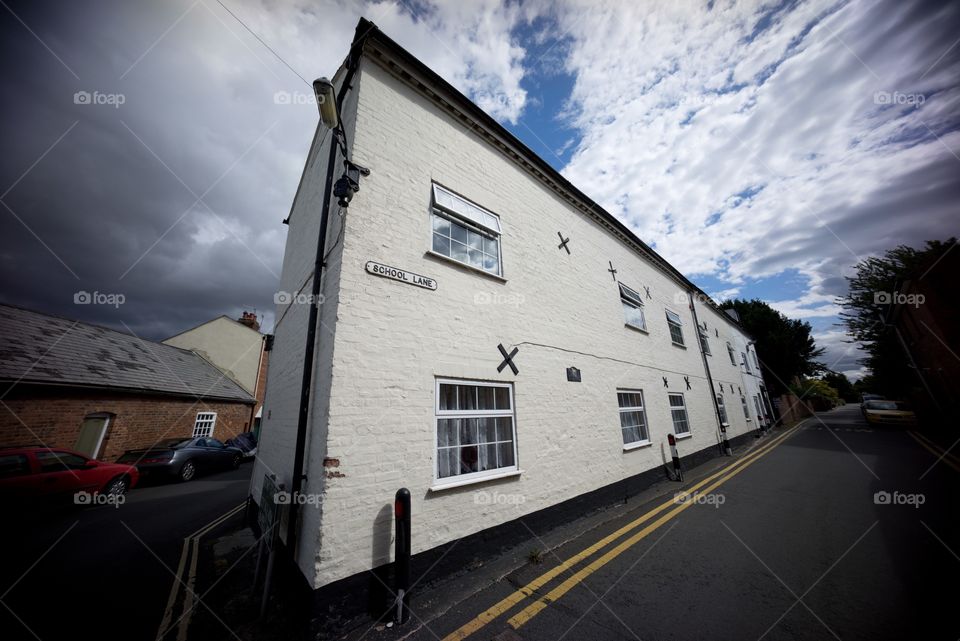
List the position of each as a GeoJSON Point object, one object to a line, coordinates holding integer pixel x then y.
{"type": "Point", "coordinates": [250, 320]}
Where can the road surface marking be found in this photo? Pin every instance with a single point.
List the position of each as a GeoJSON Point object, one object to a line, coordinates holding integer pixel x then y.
{"type": "Point", "coordinates": [531, 610]}
{"type": "Point", "coordinates": [509, 602]}
{"type": "Point", "coordinates": [165, 623]}
{"type": "Point", "coordinates": [936, 450]}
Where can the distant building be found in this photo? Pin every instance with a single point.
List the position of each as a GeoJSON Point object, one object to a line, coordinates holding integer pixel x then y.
{"type": "Point", "coordinates": [486, 330]}
{"type": "Point", "coordinates": [99, 391]}
{"type": "Point", "coordinates": [236, 348]}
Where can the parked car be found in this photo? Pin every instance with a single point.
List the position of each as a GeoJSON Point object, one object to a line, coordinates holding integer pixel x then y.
{"type": "Point", "coordinates": [43, 475]}
{"type": "Point", "coordinates": [246, 442]}
{"type": "Point", "coordinates": [183, 458]}
{"type": "Point", "coordinates": [884, 412]}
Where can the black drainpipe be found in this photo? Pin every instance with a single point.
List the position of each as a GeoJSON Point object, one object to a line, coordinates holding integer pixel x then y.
{"type": "Point", "coordinates": [706, 365]}
{"type": "Point", "coordinates": [296, 483]}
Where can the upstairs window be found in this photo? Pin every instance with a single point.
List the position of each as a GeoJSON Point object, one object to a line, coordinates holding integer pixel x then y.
{"type": "Point", "coordinates": [465, 232]}
{"type": "Point", "coordinates": [745, 363]}
{"type": "Point", "coordinates": [746, 409]}
{"type": "Point", "coordinates": [676, 328]}
{"type": "Point", "coordinates": [732, 355]}
{"type": "Point", "coordinates": [633, 419]}
{"type": "Point", "coordinates": [632, 308]}
{"type": "Point", "coordinates": [704, 343]}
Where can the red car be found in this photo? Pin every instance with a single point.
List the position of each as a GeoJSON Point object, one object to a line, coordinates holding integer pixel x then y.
{"type": "Point", "coordinates": [49, 474]}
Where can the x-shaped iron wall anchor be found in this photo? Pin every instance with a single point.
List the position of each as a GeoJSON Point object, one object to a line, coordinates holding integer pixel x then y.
{"type": "Point", "coordinates": [612, 271]}
{"type": "Point", "coordinates": [563, 242]}
{"type": "Point", "coordinates": [508, 359]}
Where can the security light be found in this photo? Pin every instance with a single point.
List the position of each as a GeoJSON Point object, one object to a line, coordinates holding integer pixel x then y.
{"type": "Point", "coordinates": [326, 102]}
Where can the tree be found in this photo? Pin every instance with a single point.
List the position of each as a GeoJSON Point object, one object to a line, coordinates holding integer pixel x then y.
{"type": "Point", "coordinates": [865, 307]}
{"type": "Point", "coordinates": [842, 385]}
{"type": "Point", "coordinates": [785, 346]}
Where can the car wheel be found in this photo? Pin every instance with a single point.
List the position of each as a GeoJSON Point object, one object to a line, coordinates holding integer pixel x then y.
{"type": "Point", "coordinates": [188, 471]}
{"type": "Point", "coordinates": [116, 487]}
{"type": "Point", "coordinates": [235, 461]}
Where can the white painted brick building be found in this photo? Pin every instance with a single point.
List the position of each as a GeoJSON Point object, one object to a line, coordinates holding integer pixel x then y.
{"type": "Point", "coordinates": [385, 348]}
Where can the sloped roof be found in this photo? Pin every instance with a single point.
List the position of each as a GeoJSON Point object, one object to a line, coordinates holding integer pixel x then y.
{"type": "Point", "coordinates": [42, 349]}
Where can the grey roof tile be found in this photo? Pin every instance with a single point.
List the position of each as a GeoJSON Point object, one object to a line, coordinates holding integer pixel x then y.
{"type": "Point", "coordinates": [38, 348]}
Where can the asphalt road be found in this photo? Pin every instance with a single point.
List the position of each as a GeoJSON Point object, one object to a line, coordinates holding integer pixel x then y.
{"type": "Point", "coordinates": [105, 572]}
{"type": "Point", "coordinates": [794, 545]}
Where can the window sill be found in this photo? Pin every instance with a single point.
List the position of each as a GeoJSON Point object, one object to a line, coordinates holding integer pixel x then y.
{"type": "Point", "coordinates": [636, 446]}
{"type": "Point", "coordinates": [432, 254]}
{"type": "Point", "coordinates": [636, 329]}
{"type": "Point", "coordinates": [680, 437]}
{"type": "Point", "coordinates": [473, 481]}
{"type": "Point", "coordinates": [680, 345]}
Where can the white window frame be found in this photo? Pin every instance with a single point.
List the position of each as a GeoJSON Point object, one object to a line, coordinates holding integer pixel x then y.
{"type": "Point", "coordinates": [746, 363]}
{"type": "Point", "coordinates": [746, 407]}
{"type": "Point", "coordinates": [756, 360]}
{"type": "Point", "coordinates": [721, 406]}
{"type": "Point", "coordinates": [686, 415]}
{"type": "Point", "coordinates": [756, 402]}
{"type": "Point", "coordinates": [679, 323]}
{"type": "Point", "coordinates": [204, 417]}
{"type": "Point", "coordinates": [704, 341]}
{"type": "Point", "coordinates": [629, 297]}
{"type": "Point", "coordinates": [459, 211]}
{"type": "Point", "coordinates": [484, 475]}
{"type": "Point", "coordinates": [643, 414]}
{"type": "Point", "coordinates": [732, 354]}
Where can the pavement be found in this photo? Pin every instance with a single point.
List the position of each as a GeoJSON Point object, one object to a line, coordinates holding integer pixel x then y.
{"type": "Point", "coordinates": [108, 572]}
{"type": "Point", "coordinates": [831, 530]}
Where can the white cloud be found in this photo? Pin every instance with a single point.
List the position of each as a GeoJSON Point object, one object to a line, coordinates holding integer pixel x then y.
{"type": "Point", "coordinates": [777, 141]}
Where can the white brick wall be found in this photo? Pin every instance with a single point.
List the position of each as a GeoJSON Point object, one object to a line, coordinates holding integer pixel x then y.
{"type": "Point", "coordinates": [392, 341]}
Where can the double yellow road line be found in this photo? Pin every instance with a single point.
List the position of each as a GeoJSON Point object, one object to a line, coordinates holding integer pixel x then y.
{"type": "Point", "coordinates": [671, 507]}
{"type": "Point", "coordinates": [936, 450]}
{"type": "Point", "coordinates": [191, 545]}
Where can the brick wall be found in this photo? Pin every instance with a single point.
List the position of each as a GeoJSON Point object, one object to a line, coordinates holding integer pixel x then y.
{"type": "Point", "coordinates": [53, 417]}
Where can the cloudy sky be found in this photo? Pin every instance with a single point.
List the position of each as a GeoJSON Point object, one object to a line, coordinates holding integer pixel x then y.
{"type": "Point", "coordinates": [151, 149]}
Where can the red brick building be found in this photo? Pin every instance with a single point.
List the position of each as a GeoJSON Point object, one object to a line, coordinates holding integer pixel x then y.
{"type": "Point", "coordinates": [101, 392]}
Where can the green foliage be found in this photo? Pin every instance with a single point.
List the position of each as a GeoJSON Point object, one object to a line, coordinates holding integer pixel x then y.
{"type": "Point", "coordinates": [812, 389]}
{"type": "Point", "coordinates": [786, 348]}
{"type": "Point", "coordinates": [865, 319]}
{"type": "Point", "coordinates": [842, 385]}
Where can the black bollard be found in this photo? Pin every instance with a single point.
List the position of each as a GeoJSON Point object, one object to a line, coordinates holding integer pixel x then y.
{"type": "Point", "coordinates": [401, 512]}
